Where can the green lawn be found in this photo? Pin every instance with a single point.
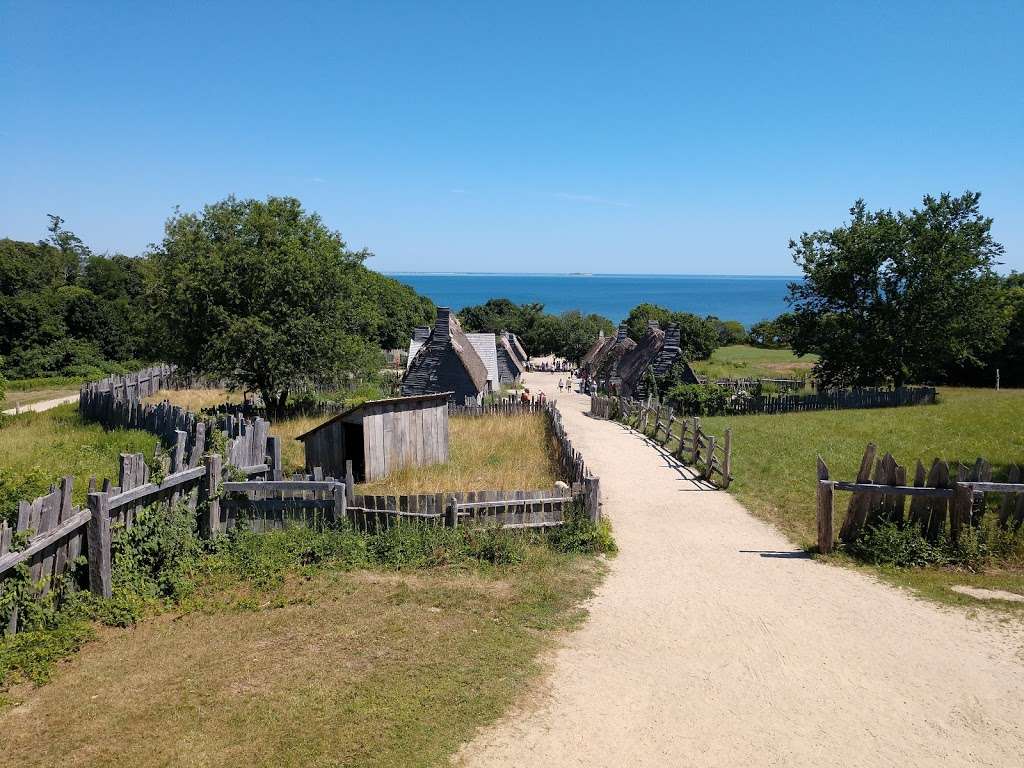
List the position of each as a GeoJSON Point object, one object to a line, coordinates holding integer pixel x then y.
{"type": "Point", "coordinates": [37, 449]}
{"type": "Point", "coordinates": [774, 461]}
{"type": "Point", "coordinates": [742, 361]}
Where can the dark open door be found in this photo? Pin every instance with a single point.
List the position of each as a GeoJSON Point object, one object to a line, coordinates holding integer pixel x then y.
{"type": "Point", "coordinates": [354, 450]}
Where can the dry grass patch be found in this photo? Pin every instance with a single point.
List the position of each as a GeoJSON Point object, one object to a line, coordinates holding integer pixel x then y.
{"type": "Point", "coordinates": [500, 453]}
{"type": "Point", "coordinates": [355, 669]}
{"type": "Point", "coordinates": [195, 400]}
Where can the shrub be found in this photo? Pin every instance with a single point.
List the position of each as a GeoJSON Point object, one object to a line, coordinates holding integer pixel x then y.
{"type": "Point", "coordinates": [903, 546]}
{"type": "Point", "coordinates": [699, 399]}
{"type": "Point", "coordinates": [581, 535]}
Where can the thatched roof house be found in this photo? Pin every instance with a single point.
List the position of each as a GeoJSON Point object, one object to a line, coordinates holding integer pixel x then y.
{"type": "Point", "coordinates": [446, 361]}
{"type": "Point", "coordinates": [657, 351]}
{"type": "Point", "coordinates": [510, 366]}
{"type": "Point", "coordinates": [588, 357]}
{"type": "Point", "coordinates": [517, 348]}
{"type": "Point", "coordinates": [606, 361]}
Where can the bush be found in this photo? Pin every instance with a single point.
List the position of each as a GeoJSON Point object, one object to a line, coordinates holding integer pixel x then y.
{"type": "Point", "coordinates": [903, 546]}
{"type": "Point", "coordinates": [699, 399]}
{"type": "Point", "coordinates": [581, 535]}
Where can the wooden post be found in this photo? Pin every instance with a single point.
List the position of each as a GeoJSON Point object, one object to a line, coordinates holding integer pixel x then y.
{"type": "Point", "coordinates": [960, 512]}
{"type": "Point", "coordinates": [709, 460]}
{"type": "Point", "coordinates": [826, 508]}
{"type": "Point", "coordinates": [339, 504]}
{"type": "Point", "coordinates": [727, 462]}
{"type": "Point", "coordinates": [211, 495]}
{"type": "Point", "coordinates": [274, 453]}
{"type": "Point", "coordinates": [695, 452]}
{"type": "Point", "coordinates": [592, 497]}
{"type": "Point", "coordinates": [350, 483]}
{"type": "Point", "coordinates": [99, 545]}
{"type": "Point", "coordinates": [451, 512]}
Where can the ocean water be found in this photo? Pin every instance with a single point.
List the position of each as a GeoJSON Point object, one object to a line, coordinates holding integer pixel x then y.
{"type": "Point", "coordinates": [747, 299]}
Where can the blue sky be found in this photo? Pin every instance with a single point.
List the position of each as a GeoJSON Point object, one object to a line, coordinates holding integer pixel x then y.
{"type": "Point", "coordinates": [630, 137]}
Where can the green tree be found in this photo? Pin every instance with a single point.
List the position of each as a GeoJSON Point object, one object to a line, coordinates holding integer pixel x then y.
{"type": "Point", "coordinates": [773, 334]}
{"type": "Point", "coordinates": [261, 293]}
{"type": "Point", "coordinates": [898, 297]}
{"type": "Point", "coordinates": [698, 336]}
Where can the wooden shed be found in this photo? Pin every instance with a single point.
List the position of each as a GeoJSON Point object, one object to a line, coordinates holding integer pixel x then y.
{"type": "Point", "coordinates": [381, 436]}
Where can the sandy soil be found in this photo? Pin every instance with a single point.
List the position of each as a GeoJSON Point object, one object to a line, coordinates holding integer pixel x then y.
{"type": "Point", "coordinates": [714, 643]}
{"type": "Point", "coordinates": [42, 405]}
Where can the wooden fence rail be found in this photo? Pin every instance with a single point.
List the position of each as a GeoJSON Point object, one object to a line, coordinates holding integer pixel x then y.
{"type": "Point", "coordinates": [693, 446]}
{"type": "Point", "coordinates": [941, 500]}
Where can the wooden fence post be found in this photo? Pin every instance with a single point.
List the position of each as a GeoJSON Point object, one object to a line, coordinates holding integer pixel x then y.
{"type": "Point", "coordinates": [592, 497]}
{"type": "Point", "coordinates": [960, 511]}
{"type": "Point", "coordinates": [99, 545]}
{"type": "Point", "coordinates": [350, 483]}
{"type": "Point", "coordinates": [727, 462]}
{"type": "Point", "coordinates": [274, 452]}
{"type": "Point", "coordinates": [339, 504]}
{"type": "Point", "coordinates": [451, 512]}
{"type": "Point", "coordinates": [210, 493]}
{"type": "Point", "coordinates": [695, 453]}
{"type": "Point", "coordinates": [826, 508]}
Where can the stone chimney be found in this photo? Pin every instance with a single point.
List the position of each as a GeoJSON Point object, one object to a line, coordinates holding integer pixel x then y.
{"type": "Point", "coordinates": [443, 325]}
{"type": "Point", "coordinates": [622, 334]}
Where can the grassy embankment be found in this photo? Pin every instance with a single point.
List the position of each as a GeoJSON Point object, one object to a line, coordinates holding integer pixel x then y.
{"type": "Point", "coordinates": [741, 361]}
{"type": "Point", "coordinates": [292, 650]}
{"type": "Point", "coordinates": [37, 449]}
{"type": "Point", "coordinates": [774, 465]}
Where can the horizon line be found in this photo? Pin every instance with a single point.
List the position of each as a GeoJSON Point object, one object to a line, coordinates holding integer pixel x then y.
{"type": "Point", "coordinates": [581, 274]}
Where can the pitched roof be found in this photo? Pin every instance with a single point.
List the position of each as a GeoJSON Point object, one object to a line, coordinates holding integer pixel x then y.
{"type": "Point", "coordinates": [485, 345]}
{"type": "Point", "coordinates": [419, 335]}
{"type": "Point", "coordinates": [513, 359]}
{"type": "Point", "coordinates": [367, 403]}
{"type": "Point", "coordinates": [517, 348]}
{"type": "Point", "coordinates": [633, 363]}
{"type": "Point", "coordinates": [447, 332]}
{"type": "Point", "coordinates": [588, 356]}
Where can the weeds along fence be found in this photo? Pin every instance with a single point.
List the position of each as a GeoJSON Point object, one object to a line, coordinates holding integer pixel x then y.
{"type": "Point", "coordinates": [944, 500]}
{"type": "Point", "coordinates": [53, 539]}
{"type": "Point", "coordinates": [709, 454]}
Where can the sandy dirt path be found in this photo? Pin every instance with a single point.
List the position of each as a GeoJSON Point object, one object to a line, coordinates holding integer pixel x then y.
{"type": "Point", "coordinates": [45, 405]}
{"type": "Point", "coordinates": [713, 642]}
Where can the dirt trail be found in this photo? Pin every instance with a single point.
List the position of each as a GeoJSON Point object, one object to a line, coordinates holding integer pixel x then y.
{"type": "Point", "coordinates": [714, 643]}
{"type": "Point", "coordinates": [43, 405]}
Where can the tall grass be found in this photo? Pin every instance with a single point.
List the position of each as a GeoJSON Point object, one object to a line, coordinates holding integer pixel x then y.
{"type": "Point", "coordinates": [37, 449]}
{"type": "Point", "coordinates": [499, 453]}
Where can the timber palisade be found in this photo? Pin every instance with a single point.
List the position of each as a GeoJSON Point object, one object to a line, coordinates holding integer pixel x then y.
{"type": "Point", "coordinates": [943, 500]}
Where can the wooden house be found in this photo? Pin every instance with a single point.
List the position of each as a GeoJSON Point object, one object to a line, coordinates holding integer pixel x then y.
{"type": "Point", "coordinates": [381, 436]}
{"type": "Point", "coordinates": [605, 364]}
{"type": "Point", "coordinates": [510, 365]}
{"type": "Point", "coordinates": [447, 361]}
{"type": "Point", "coordinates": [655, 353]}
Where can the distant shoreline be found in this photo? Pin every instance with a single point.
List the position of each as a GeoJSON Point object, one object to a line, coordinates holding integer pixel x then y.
{"type": "Point", "coordinates": [590, 274]}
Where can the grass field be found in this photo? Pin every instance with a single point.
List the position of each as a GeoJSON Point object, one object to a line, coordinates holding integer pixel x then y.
{"type": "Point", "coordinates": [774, 463]}
{"type": "Point", "coordinates": [37, 449]}
{"type": "Point", "coordinates": [355, 668]}
{"type": "Point", "coordinates": [742, 361]}
{"type": "Point", "coordinates": [25, 397]}
{"type": "Point", "coordinates": [498, 453]}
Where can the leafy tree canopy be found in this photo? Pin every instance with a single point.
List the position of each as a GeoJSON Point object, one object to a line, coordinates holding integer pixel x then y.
{"type": "Point", "coordinates": [899, 297]}
{"type": "Point", "coordinates": [773, 334]}
{"type": "Point", "coordinates": [567, 335]}
{"type": "Point", "coordinates": [262, 293]}
{"type": "Point", "coordinates": [699, 337]}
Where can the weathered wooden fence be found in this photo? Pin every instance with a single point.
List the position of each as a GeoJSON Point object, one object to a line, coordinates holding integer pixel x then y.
{"type": "Point", "coordinates": [834, 400]}
{"type": "Point", "coordinates": [59, 533]}
{"type": "Point", "coordinates": [693, 446]}
{"type": "Point", "coordinates": [509, 406]}
{"type": "Point", "coordinates": [942, 500]}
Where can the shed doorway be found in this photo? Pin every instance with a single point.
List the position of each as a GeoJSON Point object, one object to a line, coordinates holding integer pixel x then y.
{"type": "Point", "coordinates": [355, 450]}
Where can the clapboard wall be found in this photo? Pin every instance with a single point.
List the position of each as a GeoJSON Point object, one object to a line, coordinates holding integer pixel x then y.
{"type": "Point", "coordinates": [394, 433]}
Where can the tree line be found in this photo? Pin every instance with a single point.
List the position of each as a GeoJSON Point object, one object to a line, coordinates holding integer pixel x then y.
{"type": "Point", "coordinates": [261, 293]}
